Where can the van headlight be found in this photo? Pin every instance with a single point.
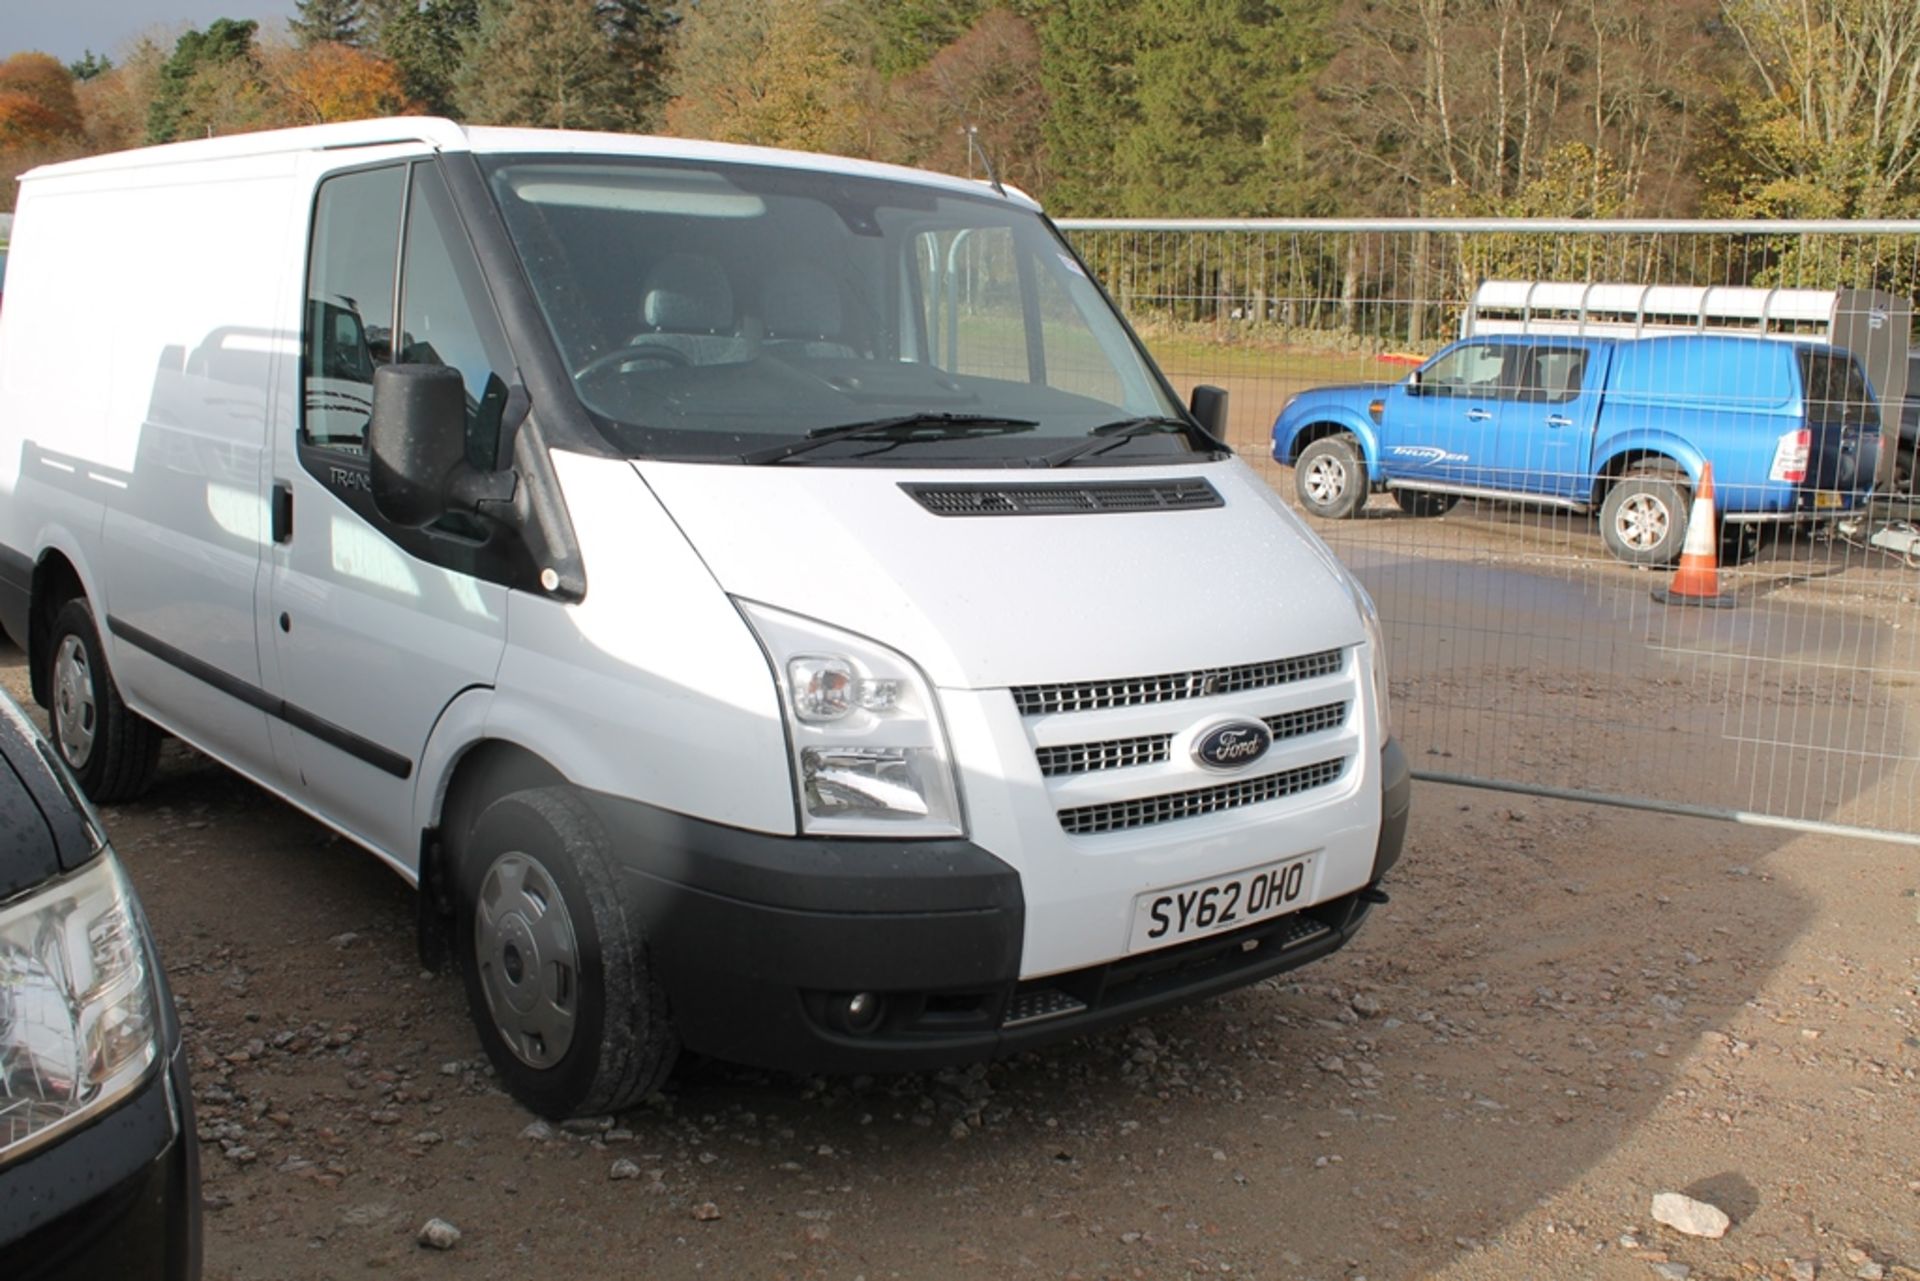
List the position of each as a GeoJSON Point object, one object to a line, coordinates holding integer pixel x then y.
{"type": "Point", "coordinates": [870, 756]}
{"type": "Point", "coordinates": [1377, 642]}
{"type": "Point", "coordinates": [79, 1018]}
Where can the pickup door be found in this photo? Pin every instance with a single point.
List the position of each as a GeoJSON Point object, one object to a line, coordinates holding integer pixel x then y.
{"type": "Point", "coordinates": [1546, 433]}
{"type": "Point", "coordinates": [1445, 425]}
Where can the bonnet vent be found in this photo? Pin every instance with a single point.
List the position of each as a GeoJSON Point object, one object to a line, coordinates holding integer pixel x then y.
{"type": "Point", "coordinates": [1065, 500]}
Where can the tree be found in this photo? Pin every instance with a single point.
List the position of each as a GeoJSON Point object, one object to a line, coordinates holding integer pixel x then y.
{"type": "Point", "coordinates": [987, 80]}
{"type": "Point", "coordinates": [545, 62]}
{"type": "Point", "coordinates": [1086, 52]}
{"type": "Point", "coordinates": [772, 72]}
{"type": "Point", "coordinates": [428, 44]}
{"type": "Point", "coordinates": [115, 103]}
{"type": "Point", "coordinates": [1827, 123]}
{"type": "Point", "coordinates": [326, 82]}
{"type": "Point", "coordinates": [91, 64]}
{"type": "Point", "coordinates": [641, 35]}
{"type": "Point", "coordinates": [326, 22]}
{"type": "Point", "coordinates": [218, 50]}
{"type": "Point", "coordinates": [37, 100]}
{"type": "Point", "coordinates": [1455, 105]}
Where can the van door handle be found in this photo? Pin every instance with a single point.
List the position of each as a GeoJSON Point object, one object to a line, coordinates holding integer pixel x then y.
{"type": "Point", "coordinates": [1559, 420]}
{"type": "Point", "coordinates": [1479, 415]}
{"type": "Point", "coordinates": [282, 512]}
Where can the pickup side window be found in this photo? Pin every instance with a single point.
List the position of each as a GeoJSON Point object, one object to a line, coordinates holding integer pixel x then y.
{"type": "Point", "coordinates": [1491, 371]}
{"type": "Point", "coordinates": [1557, 373]}
{"type": "Point", "coordinates": [350, 275]}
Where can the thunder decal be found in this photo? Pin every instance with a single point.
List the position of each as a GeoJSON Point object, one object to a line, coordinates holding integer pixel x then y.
{"type": "Point", "coordinates": [1425, 455]}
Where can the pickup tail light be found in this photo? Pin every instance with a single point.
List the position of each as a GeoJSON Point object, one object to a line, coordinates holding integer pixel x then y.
{"type": "Point", "coordinates": [1790, 457]}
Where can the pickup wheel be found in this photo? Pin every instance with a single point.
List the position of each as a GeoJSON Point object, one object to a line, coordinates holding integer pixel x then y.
{"type": "Point", "coordinates": [1643, 519]}
{"type": "Point", "coordinates": [1421, 502]}
{"type": "Point", "coordinates": [111, 750]}
{"type": "Point", "coordinates": [557, 973]}
{"type": "Point", "coordinates": [1330, 477]}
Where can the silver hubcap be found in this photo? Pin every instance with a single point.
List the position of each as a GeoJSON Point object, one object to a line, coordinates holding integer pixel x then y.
{"type": "Point", "coordinates": [1326, 481]}
{"type": "Point", "coordinates": [1642, 522]}
{"type": "Point", "coordinates": [529, 963]}
{"type": "Point", "coordinates": [74, 715]}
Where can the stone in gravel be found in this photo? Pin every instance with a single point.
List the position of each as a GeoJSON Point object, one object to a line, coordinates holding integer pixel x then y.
{"type": "Point", "coordinates": [1672, 1271]}
{"type": "Point", "coordinates": [1871, 1271]}
{"type": "Point", "coordinates": [706, 1212]}
{"type": "Point", "coordinates": [624, 1169]}
{"type": "Point", "coordinates": [539, 1131]}
{"type": "Point", "coordinates": [1365, 1006]}
{"type": "Point", "coordinates": [1695, 1218]}
{"type": "Point", "coordinates": [438, 1234]}
{"type": "Point", "coordinates": [345, 940]}
{"type": "Point", "coordinates": [1333, 1063]}
{"type": "Point", "coordinates": [1802, 1270]}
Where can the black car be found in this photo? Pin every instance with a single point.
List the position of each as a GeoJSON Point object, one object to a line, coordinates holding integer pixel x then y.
{"type": "Point", "coordinates": [99, 1166]}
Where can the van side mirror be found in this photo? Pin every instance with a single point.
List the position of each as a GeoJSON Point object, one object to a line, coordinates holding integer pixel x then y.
{"type": "Point", "coordinates": [417, 447]}
{"type": "Point", "coordinates": [1208, 405]}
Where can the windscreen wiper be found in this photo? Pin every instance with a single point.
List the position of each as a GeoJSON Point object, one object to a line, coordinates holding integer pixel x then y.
{"type": "Point", "coordinates": [921, 426]}
{"type": "Point", "coordinates": [1109, 435]}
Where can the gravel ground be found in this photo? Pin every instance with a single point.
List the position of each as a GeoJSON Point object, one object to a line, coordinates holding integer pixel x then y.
{"type": "Point", "coordinates": [1564, 1012]}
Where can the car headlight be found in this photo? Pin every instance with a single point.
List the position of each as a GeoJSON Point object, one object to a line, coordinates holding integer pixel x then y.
{"type": "Point", "coordinates": [1377, 642]}
{"type": "Point", "coordinates": [870, 756]}
{"type": "Point", "coordinates": [79, 1018]}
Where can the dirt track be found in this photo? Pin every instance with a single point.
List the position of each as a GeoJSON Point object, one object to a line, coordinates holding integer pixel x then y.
{"type": "Point", "coordinates": [1563, 1011]}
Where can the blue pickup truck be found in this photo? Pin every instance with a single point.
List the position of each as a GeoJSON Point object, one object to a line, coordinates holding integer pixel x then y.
{"type": "Point", "coordinates": [1619, 426]}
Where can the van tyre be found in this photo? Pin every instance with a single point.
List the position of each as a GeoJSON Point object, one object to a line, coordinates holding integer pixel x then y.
{"type": "Point", "coordinates": [111, 750]}
{"type": "Point", "coordinates": [556, 967]}
{"type": "Point", "coordinates": [1330, 477]}
{"type": "Point", "coordinates": [1422, 502]}
{"type": "Point", "coordinates": [1643, 519]}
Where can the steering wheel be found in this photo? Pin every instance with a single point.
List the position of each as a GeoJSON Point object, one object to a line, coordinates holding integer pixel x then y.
{"type": "Point", "coordinates": [628, 355]}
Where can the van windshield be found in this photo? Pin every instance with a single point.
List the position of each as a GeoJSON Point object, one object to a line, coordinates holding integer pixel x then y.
{"type": "Point", "coordinates": [739, 313]}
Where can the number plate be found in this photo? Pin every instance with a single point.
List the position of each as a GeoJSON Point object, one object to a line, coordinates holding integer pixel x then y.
{"type": "Point", "coordinates": [1825, 498]}
{"type": "Point", "coordinates": [1161, 917]}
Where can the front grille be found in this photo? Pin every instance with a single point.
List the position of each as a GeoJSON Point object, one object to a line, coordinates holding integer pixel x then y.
{"type": "Point", "coordinates": [1119, 753]}
{"type": "Point", "coordinates": [1064, 499]}
{"type": "Point", "coordinates": [1119, 816]}
{"type": "Point", "coordinates": [1092, 696]}
{"type": "Point", "coordinates": [1310, 720]}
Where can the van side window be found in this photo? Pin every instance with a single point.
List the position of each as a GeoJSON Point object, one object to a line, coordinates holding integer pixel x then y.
{"type": "Point", "coordinates": [350, 274]}
{"type": "Point", "coordinates": [446, 315]}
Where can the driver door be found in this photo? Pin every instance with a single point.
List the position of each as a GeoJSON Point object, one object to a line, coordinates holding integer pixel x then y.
{"type": "Point", "coordinates": [374, 629]}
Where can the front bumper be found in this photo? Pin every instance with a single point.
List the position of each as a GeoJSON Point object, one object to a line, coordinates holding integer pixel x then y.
{"type": "Point", "coordinates": [760, 940]}
{"type": "Point", "coordinates": [119, 1198]}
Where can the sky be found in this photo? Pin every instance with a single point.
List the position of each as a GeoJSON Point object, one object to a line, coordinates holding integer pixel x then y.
{"type": "Point", "coordinates": [67, 28]}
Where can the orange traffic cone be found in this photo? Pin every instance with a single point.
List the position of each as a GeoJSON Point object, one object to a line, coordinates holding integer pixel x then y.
{"type": "Point", "coordinates": [1697, 581]}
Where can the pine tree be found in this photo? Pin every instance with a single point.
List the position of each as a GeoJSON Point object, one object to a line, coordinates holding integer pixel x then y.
{"type": "Point", "coordinates": [327, 22]}
{"type": "Point", "coordinates": [548, 63]}
{"type": "Point", "coordinates": [429, 44]}
{"type": "Point", "coordinates": [224, 41]}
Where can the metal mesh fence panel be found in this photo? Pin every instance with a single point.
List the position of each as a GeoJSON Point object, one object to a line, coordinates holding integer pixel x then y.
{"type": "Point", "coordinates": [1507, 429]}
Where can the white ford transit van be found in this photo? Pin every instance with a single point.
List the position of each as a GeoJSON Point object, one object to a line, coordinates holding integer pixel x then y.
{"type": "Point", "coordinates": [767, 603]}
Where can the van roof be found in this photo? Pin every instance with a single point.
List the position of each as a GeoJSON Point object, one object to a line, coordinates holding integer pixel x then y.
{"type": "Point", "coordinates": [446, 135]}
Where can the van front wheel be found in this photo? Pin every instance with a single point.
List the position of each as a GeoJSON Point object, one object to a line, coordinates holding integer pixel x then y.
{"type": "Point", "coordinates": [111, 750]}
{"type": "Point", "coordinates": [1643, 520]}
{"type": "Point", "coordinates": [556, 967]}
